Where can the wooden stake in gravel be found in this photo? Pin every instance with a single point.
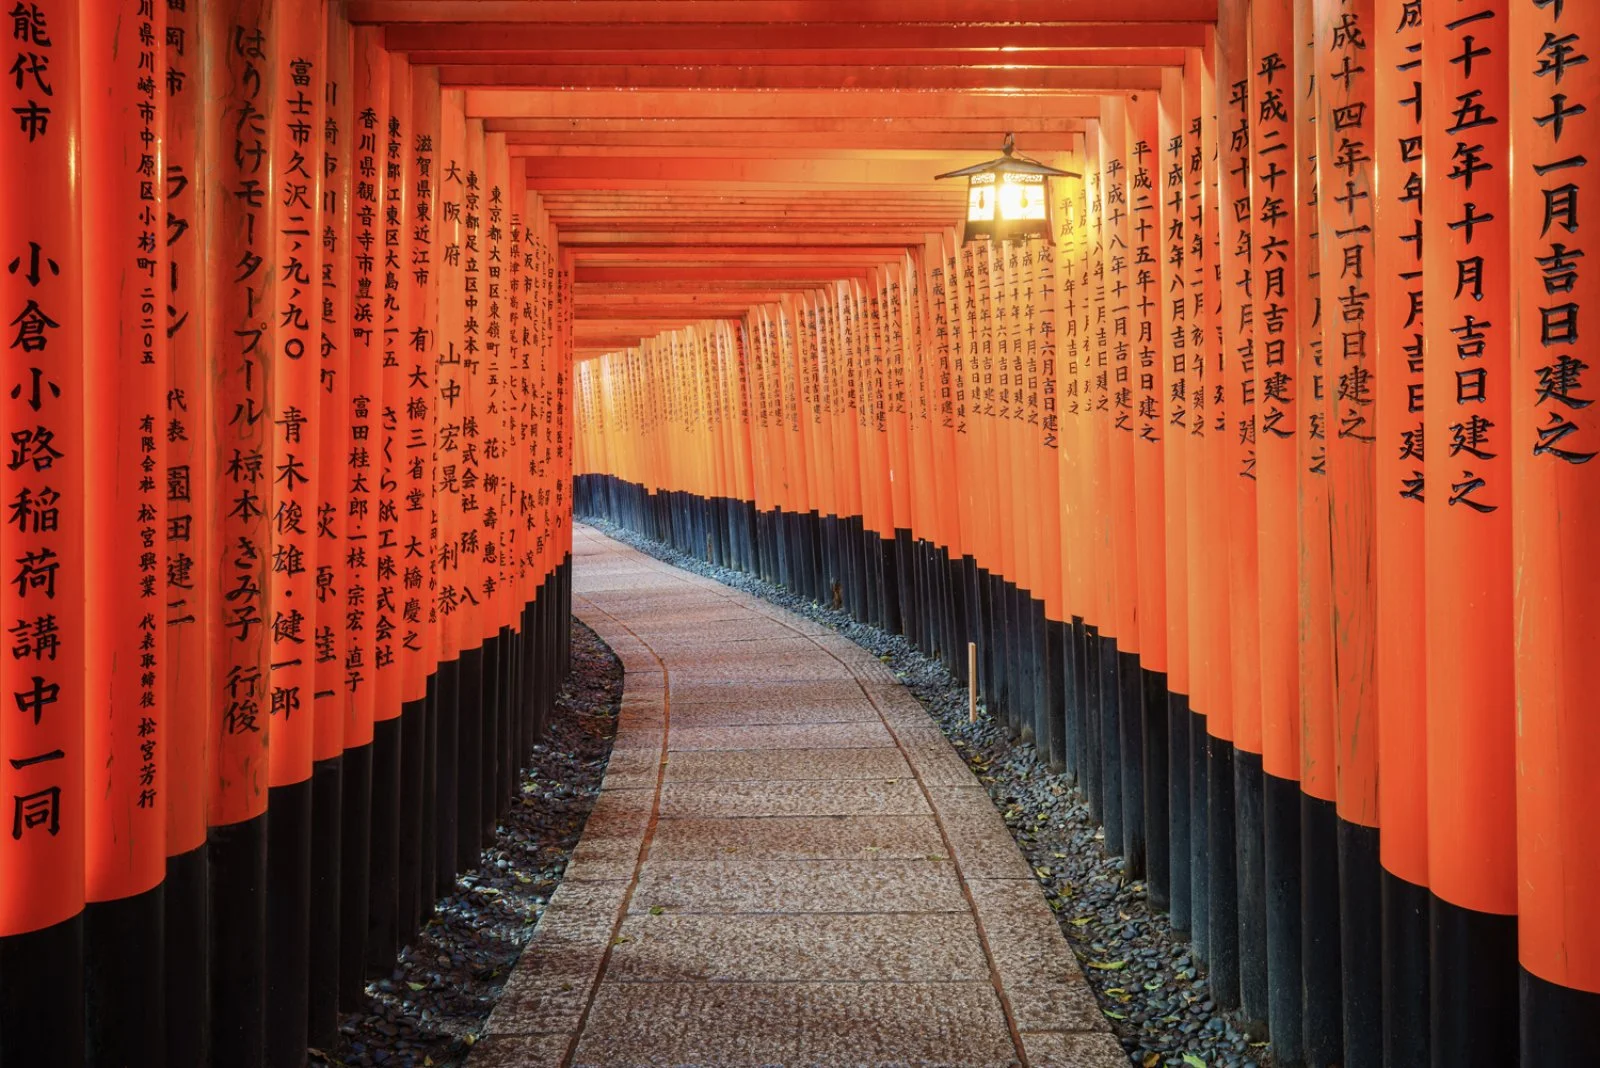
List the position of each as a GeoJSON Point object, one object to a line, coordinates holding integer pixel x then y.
{"type": "Point", "coordinates": [972, 682]}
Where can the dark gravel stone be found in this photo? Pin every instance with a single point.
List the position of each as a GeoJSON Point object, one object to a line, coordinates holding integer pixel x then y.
{"type": "Point", "coordinates": [1154, 999]}
{"type": "Point", "coordinates": [430, 1011]}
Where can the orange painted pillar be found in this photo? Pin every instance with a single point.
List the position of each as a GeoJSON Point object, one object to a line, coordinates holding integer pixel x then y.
{"type": "Point", "coordinates": [1200, 139]}
{"type": "Point", "coordinates": [1344, 171]}
{"type": "Point", "coordinates": [1467, 282]}
{"type": "Point", "coordinates": [1556, 501]}
{"type": "Point", "coordinates": [299, 47]}
{"type": "Point", "coordinates": [1310, 767]}
{"type": "Point", "coordinates": [1266, 679]}
{"type": "Point", "coordinates": [241, 268]}
{"type": "Point", "coordinates": [903, 532]}
{"type": "Point", "coordinates": [1146, 298]}
{"type": "Point", "coordinates": [1236, 719]}
{"type": "Point", "coordinates": [469, 607]}
{"type": "Point", "coordinates": [1094, 467]}
{"type": "Point", "coordinates": [385, 921]}
{"type": "Point", "coordinates": [1068, 306]}
{"type": "Point", "coordinates": [43, 738]}
{"type": "Point", "coordinates": [1010, 484]}
{"type": "Point", "coordinates": [1169, 191]}
{"type": "Point", "coordinates": [1121, 706]}
{"type": "Point", "coordinates": [1400, 624]}
{"type": "Point", "coordinates": [1045, 398]}
{"type": "Point", "coordinates": [362, 466]}
{"type": "Point", "coordinates": [496, 619]}
{"type": "Point", "coordinates": [124, 121]}
{"type": "Point", "coordinates": [331, 582]}
{"type": "Point", "coordinates": [184, 423]}
{"type": "Point", "coordinates": [421, 642]}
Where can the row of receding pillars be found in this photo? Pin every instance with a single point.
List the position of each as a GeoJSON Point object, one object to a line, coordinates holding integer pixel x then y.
{"type": "Point", "coordinates": [1266, 492]}
{"type": "Point", "coordinates": [286, 521]}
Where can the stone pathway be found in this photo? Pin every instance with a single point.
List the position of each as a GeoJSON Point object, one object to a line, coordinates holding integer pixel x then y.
{"type": "Point", "coordinates": [788, 865]}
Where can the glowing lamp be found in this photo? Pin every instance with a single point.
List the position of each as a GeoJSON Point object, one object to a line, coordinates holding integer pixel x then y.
{"type": "Point", "coordinates": [1008, 199]}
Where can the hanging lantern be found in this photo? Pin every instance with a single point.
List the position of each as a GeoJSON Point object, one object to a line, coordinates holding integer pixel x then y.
{"type": "Point", "coordinates": [1008, 199]}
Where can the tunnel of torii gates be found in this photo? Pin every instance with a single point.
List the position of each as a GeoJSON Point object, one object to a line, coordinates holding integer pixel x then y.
{"type": "Point", "coordinates": [292, 295]}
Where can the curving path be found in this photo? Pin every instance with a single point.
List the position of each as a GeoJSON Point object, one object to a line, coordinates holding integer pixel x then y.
{"type": "Point", "coordinates": [788, 864]}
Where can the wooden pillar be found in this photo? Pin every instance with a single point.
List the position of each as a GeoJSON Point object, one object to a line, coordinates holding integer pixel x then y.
{"type": "Point", "coordinates": [1207, 650]}
{"type": "Point", "coordinates": [191, 563]}
{"type": "Point", "coordinates": [329, 695]}
{"type": "Point", "coordinates": [384, 918]}
{"type": "Point", "coordinates": [1553, 440]}
{"type": "Point", "coordinates": [125, 347]}
{"type": "Point", "coordinates": [1236, 718]}
{"type": "Point", "coordinates": [1400, 626]}
{"type": "Point", "coordinates": [449, 163]}
{"type": "Point", "coordinates": [1172, 184]}
{"type": "Point", "coordinates": [1467, 284]}
{"type": "Point", "coordinates": [1122, 736]}
{"type": "Point", "coordinates": [241, 265]}
{"type": "Point", "coordinates": [1150, 436]}
{"type": "Point", "coordinates": [370, 92]}
{"type": "Point", "coordinates": [299, 46]}
{"type": "Point", "coordinates": [1345, 150]}
{"type": "Point", "coordinates": [42, 849]}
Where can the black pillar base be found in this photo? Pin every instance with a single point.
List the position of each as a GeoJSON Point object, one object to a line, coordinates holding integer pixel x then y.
{"type": "Point", "coordinates": [1319, 926]}
{"type": "Point", "coordinates": [237, 855]}
{"type": "Point", "coordinates": [288, 922]}
{"type": "Point", "coordinates": [1560, 1025]}
{"type": "Point", "coordinates": [41, 996]}
{"type": "Point", "coordinates": [1404, 959]}
{"type": "Point", "coordinates": [355, 875]}
{"type": "Point", "coordinates": [1475, 995]}
{"type": "Point", "coordinates": [327, 847]}
{"type": "Point", "coordinates": [1280, 806]}
{"type": "Point", "coordinates": [124, 988]}
{"type": "Point", "coordinates": [1252, 886]}
{"type": "Point", "coordinates": [187, 960]}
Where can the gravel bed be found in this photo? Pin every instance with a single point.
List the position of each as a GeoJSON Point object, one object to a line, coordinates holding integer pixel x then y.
{"type": "Point", "coordinates": [1151, 989]}
{"type": "Point", "coordinates": [432, 1007]}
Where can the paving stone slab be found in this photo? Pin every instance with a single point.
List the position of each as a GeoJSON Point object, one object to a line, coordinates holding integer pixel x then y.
{"type": "Point", "coordinates": [863, 735]}
{"type": "Point", "coordinates": [632, 769]}
{"type": "Point", "coordinates": [938, 765]}
{"type": "Point", "coordinates": [520, 1051]}
{"type": "Point", "coordinates": [556, 975]}
{"type": "Point", "coordinates": [1037, 968]}
{"type": "Point", "coordinates": [921, 884]}
{"type": "Point", "coordinates": [756, 712]}
{"type": "Point", "coordinates": [786, 765]}
{"type": "Point", "coordinates": [709, 800]}
{"type": "Point", "coordinates": [609, 848]}
{"type": "Point", "coordinates": [894, 947]}
{"type": "Point", "coordinates": [821, 691]}
{"type": "Point", "coordinates": [799, 1025]}
{"type": "Point", "coordinates": [983, 845]}
{"type": "Point", "coordinates": [1069, 1050]}
{"type": "Point", "coordinates": [797, 838]}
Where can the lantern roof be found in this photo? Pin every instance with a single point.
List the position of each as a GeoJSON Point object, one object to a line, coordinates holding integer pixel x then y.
{"type": "Point", "coordinates": [1009, 163]}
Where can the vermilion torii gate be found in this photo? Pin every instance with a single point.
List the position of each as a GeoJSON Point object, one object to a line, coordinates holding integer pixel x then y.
{"type": "Point", "coordinates": [1266, 491]}
{"type": "Point", "coordinates": [288, 469]}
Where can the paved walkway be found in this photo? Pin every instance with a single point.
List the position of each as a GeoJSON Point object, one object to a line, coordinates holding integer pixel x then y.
{"type": "Point", "coordinates": [787, 865]}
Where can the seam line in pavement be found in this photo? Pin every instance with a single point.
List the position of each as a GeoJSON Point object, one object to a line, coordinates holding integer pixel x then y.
{"type": "Point", "coordinates": [649, 832]}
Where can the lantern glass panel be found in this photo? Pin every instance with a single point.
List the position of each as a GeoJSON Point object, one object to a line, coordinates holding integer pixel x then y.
{"type": "Point", "coordinates": [980, 198]}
